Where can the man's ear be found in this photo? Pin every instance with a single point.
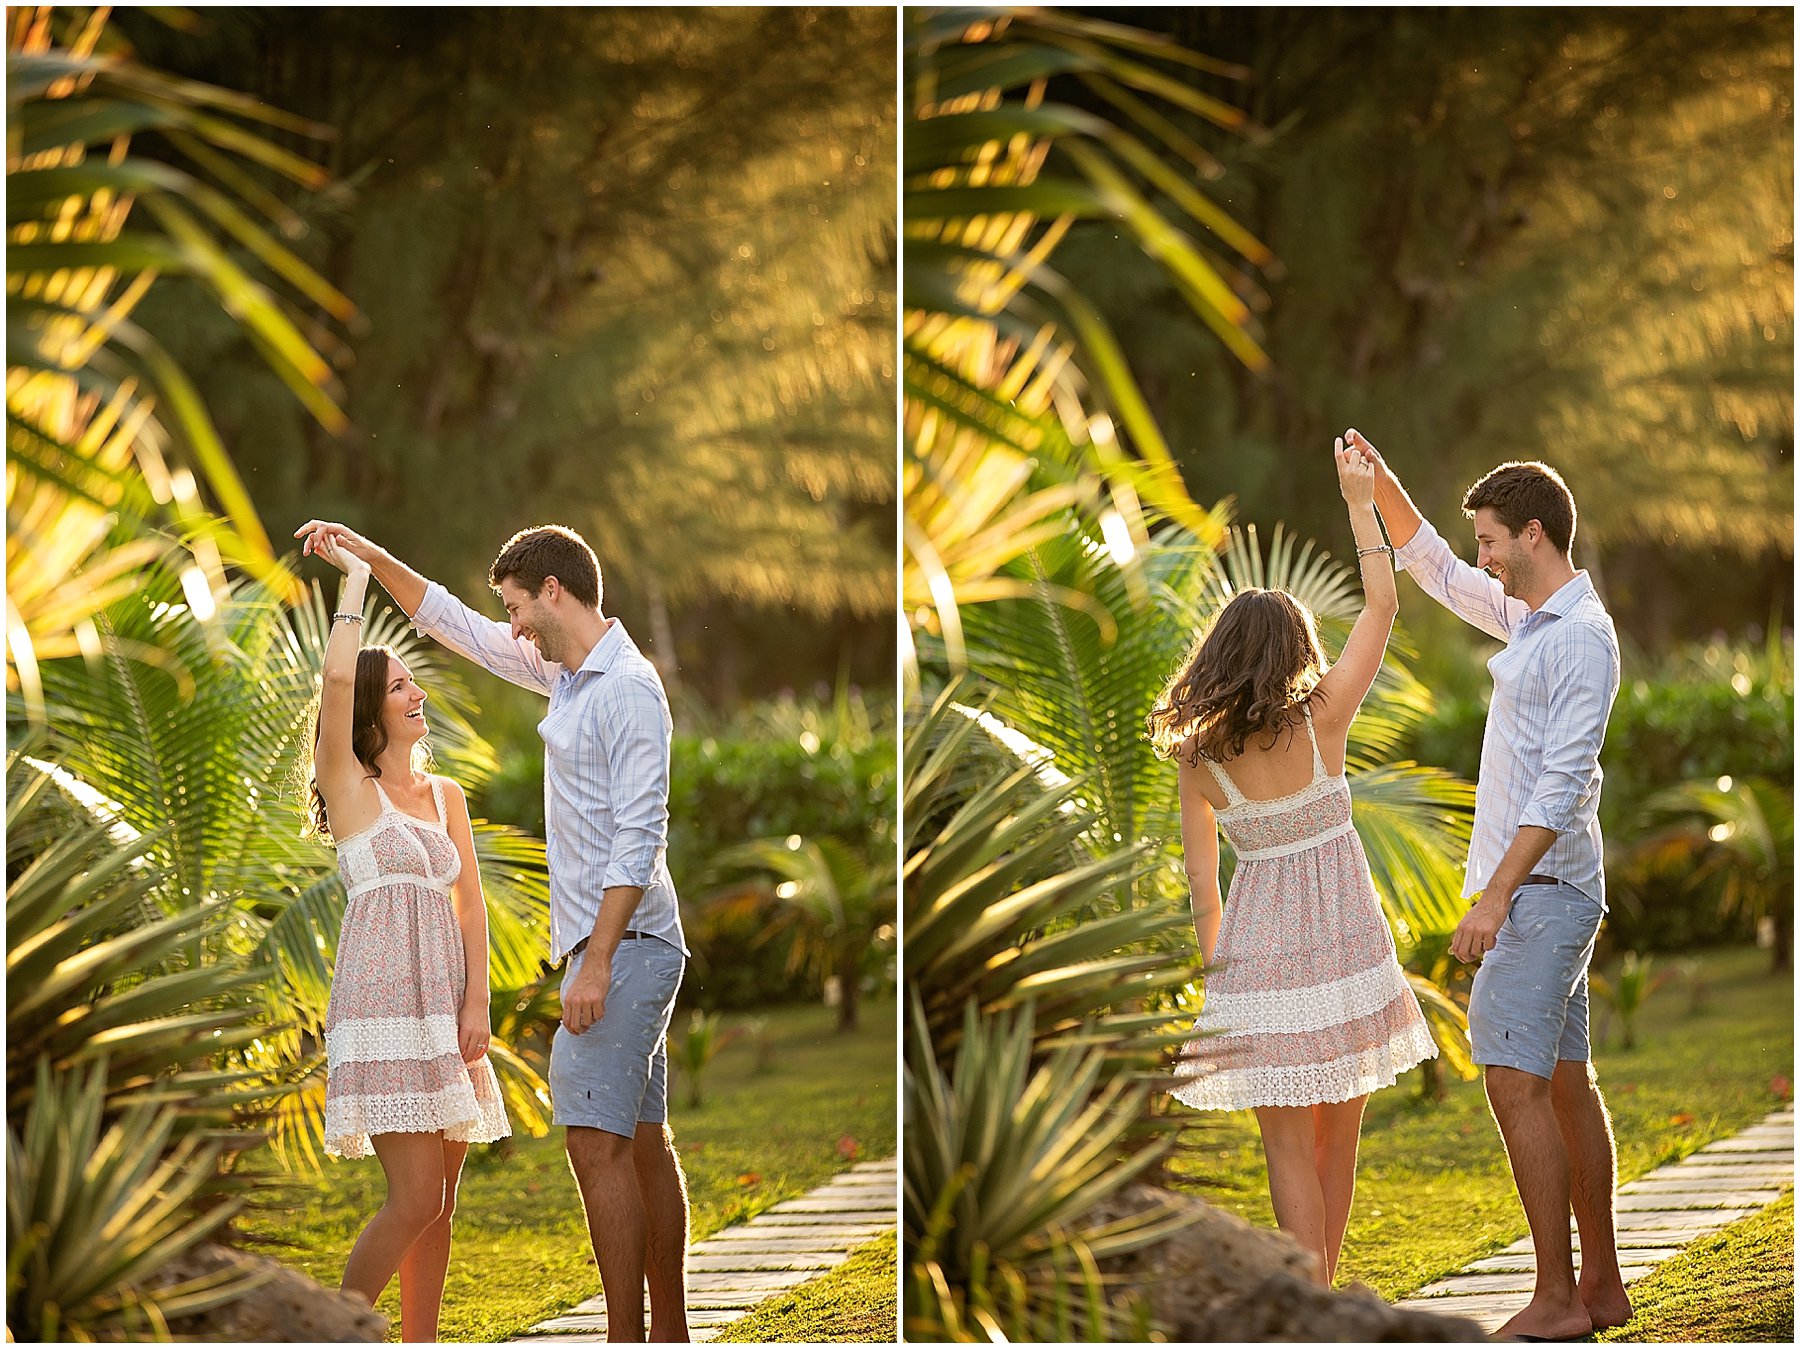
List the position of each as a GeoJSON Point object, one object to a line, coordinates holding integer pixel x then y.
{"type": "Point", "coordinates": [550, 589]}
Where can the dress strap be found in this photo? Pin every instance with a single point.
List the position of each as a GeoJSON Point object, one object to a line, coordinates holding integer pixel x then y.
{"type": "Point", "coordinates": [382, 793]}
{"type": "Point", "coordinates": [1318, 758]}
{"type": "Point", "coordinates": [437, 795]}
{"type": "Point", "coordinates": [1232, 794]}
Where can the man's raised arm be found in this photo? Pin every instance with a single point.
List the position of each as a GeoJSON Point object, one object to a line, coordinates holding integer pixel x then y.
{"type": "Point", "coordinates": [1420, 551]}
{"type": "Point", "coordinates": [390, 573]}
{"type": "Point", "coordinates": [488, 642]}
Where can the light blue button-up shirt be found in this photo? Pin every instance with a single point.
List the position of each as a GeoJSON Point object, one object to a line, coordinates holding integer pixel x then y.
{"type": "Point", "coordinates": [606, 767]}
{"type": "Point", "coordinates": [1554, 685]}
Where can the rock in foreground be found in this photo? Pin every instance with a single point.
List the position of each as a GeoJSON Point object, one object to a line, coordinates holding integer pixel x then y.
{"type": "Point", "coordinates": [1220, 1280]}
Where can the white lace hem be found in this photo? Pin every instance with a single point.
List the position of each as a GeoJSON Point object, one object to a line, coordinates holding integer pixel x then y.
{"type": "Point", "coordinates": [1336, 831]}
{"type": "Point", "coordinates": [1295, 1010]}
{"type": "Point", "coordinates": [1339, 1079]}
{"type": "Point", "coordinates": [463, 1116]}
{"type": "Point", "coordinates": [383, 1039]}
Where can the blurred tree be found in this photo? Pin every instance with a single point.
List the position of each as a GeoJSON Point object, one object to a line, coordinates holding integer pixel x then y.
{"type": "Point", "coordinates": [627, 269]}
{"type": "Point", "coordinates": [1560, 234]}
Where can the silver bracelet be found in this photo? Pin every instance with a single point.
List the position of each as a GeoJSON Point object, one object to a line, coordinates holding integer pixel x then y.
{"type": "Point", "coordinates": [1387, 548]}
{"type": "Point", "coordinates": [347, 618]}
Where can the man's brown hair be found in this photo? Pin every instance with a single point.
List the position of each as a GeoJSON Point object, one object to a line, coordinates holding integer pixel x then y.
{"type": "Point", "coordinates": [533, 554]}
{"type": "Point", "coordinates": [1518, 493]}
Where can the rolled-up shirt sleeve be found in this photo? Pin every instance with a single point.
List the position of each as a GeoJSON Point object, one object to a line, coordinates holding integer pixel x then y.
{"type": "Point", "coordinates": [1465, 590]}
{"type": "Point", "coordinates": [1584, 677]}
{"type": "Point", "coordinates": [486, 641]}
{"type": "Point", "coordinates": [638, 752]}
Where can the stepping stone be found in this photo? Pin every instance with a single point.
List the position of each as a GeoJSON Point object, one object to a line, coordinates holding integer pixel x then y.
{"type": "Point", "coordinates": [1723, 1164]}
{"type": "Point", "coordinates": [830, 1204]}
{"type": "Point", "coordinates": [1489, 1311]}
{"type": "Point", "coordinates": [1515, 1282]}
{"type": "Point", "coordinates": [708, 1262]}
{"type": "Point", "coordinates": [1662, 1201]}
{"type": "Point", "coordinates": [1694, 1182]}
{"type": "Point", "coordinates": [1692, 1221]}
{"type": "Point", "coordinates": [755, 1244]}
{"type": "Point", "coordinates": [782, 1217]}
{"type": "Point", "coordinates": [1751, 1142]}
{"type": "Point", "coordinates": [1526, 1259]}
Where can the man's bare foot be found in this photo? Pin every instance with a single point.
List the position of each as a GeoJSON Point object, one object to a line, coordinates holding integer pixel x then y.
{"type": "Point", "coordinates": [1607, 1306]}
{"type": "Point", "coordinates": [1544, 1320]}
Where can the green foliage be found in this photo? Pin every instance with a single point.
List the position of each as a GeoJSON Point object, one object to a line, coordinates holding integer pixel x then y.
{"type": "Point", "coordinates": [694, 1047]}
{"type": "Point", "coordinates": [98, 1201]}
{"type": "Point", "coordinates": [1005, 1154]}
{"type": "Point", "coordinates": [1626, 991]}
{"type": "Point", "coordinates": [634, 275]}
{"type": "Point", "coordinates": [836, 900]}
{"type": "Point", "coordinates": [108, 440]}
{"type": "Point", "coordinates": [1033, 975]}
{"type": "Point", "coordinates": [1018, 403]}
{"type": "Point", "coordinates": [1506, 235]}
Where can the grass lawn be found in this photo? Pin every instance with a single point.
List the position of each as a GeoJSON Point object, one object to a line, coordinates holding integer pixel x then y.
{"type": "Point", "coordinates": [521, 1250]}
{"type": "Point", "coordinates": [1734, 1286]}
{"type": "Point", "coordinates": [1433, 1189]}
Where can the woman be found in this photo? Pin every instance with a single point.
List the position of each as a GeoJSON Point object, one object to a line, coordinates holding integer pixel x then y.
{"type": "Point", "coordinates": [1306, 1010]}
{"type": "Point", "coordinates": [406, 1035]}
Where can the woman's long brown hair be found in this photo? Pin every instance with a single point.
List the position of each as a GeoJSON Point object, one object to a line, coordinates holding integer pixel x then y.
{"type": "Point", "coordinates": [368, 738]}
{"type": "Point", "coordinates": [1248, 674]}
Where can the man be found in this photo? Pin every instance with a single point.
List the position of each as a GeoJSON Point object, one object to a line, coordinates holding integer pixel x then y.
{"type": "Point", "coordinates": [1535, 861]}
{"type": "Point", "coordinates": [613, 911]}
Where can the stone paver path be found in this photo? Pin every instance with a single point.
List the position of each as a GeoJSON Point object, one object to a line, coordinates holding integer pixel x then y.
{"type": "Point", "coordinates": [731, 1271]}
{"type": "Point", "coordinates": [1659, 1214]}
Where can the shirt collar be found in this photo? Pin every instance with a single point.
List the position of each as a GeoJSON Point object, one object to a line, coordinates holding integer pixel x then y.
{"type": "Point", "coordinates": [1568, 596]}
{"type": "Point", "coordinates": [613, 643]}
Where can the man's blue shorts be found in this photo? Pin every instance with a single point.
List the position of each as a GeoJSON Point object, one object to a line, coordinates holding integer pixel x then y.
{"type": "Point", "coordinates": [1529, 1006]}
{"type": "Point", "coordinates": [615, 1074]}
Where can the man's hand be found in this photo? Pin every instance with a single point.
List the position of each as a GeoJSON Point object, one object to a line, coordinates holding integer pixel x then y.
{"type": "Point", "coordinates": [1480, 928]}
{"type": "Point", "coordinates": [1370, 454]}
{"type": "Point", "coordinates": [472, 1031]}
{"type": "Point", "coordinates": [315, 535]}
{"type": "Point", "coordinates": [585, 1002]}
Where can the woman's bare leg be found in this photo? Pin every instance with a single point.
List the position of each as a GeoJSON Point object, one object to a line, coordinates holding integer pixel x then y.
{"type": "Point", "coordinates": [1288, 1148]}
{"type": "Point", "coordinates": [414, 1166]}
{"type": "Point", "coordinates": [425, 1263]}
{"type": "Point", "coordinates": [1337, 1128]}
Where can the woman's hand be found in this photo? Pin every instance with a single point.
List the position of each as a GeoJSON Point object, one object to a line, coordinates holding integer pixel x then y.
{"type": "Point", "coordinates": [1356, 475]}
{"type": "Point", "coordinates": [472, 1032]}
{"type": "Point", "coordinates": [327, 546]}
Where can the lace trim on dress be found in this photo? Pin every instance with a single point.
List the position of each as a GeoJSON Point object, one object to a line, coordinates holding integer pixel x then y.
{"type": "Point", "coordinates": [379, 1039]}
{"type": "Point", "coordinates": [1293, 1011]}
{"type": "Point", "coordinates": [463, 1114]}
{"type": "Point", "coordinates": [1308, 1084]}
{"type": "Point", "coordinates": [1299, 845]}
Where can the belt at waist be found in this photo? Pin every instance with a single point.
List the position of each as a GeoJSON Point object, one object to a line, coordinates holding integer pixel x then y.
{"type": "Point", "coordinates": [1538, 878]}
{"type": "Point", "coordinates": [581, 945]}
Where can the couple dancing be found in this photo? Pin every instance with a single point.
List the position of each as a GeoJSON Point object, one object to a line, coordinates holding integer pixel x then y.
{"type": "Point", "coordinates": [407, 1029]}
{"type": "Point", "coordinates": [1307, 1010]}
